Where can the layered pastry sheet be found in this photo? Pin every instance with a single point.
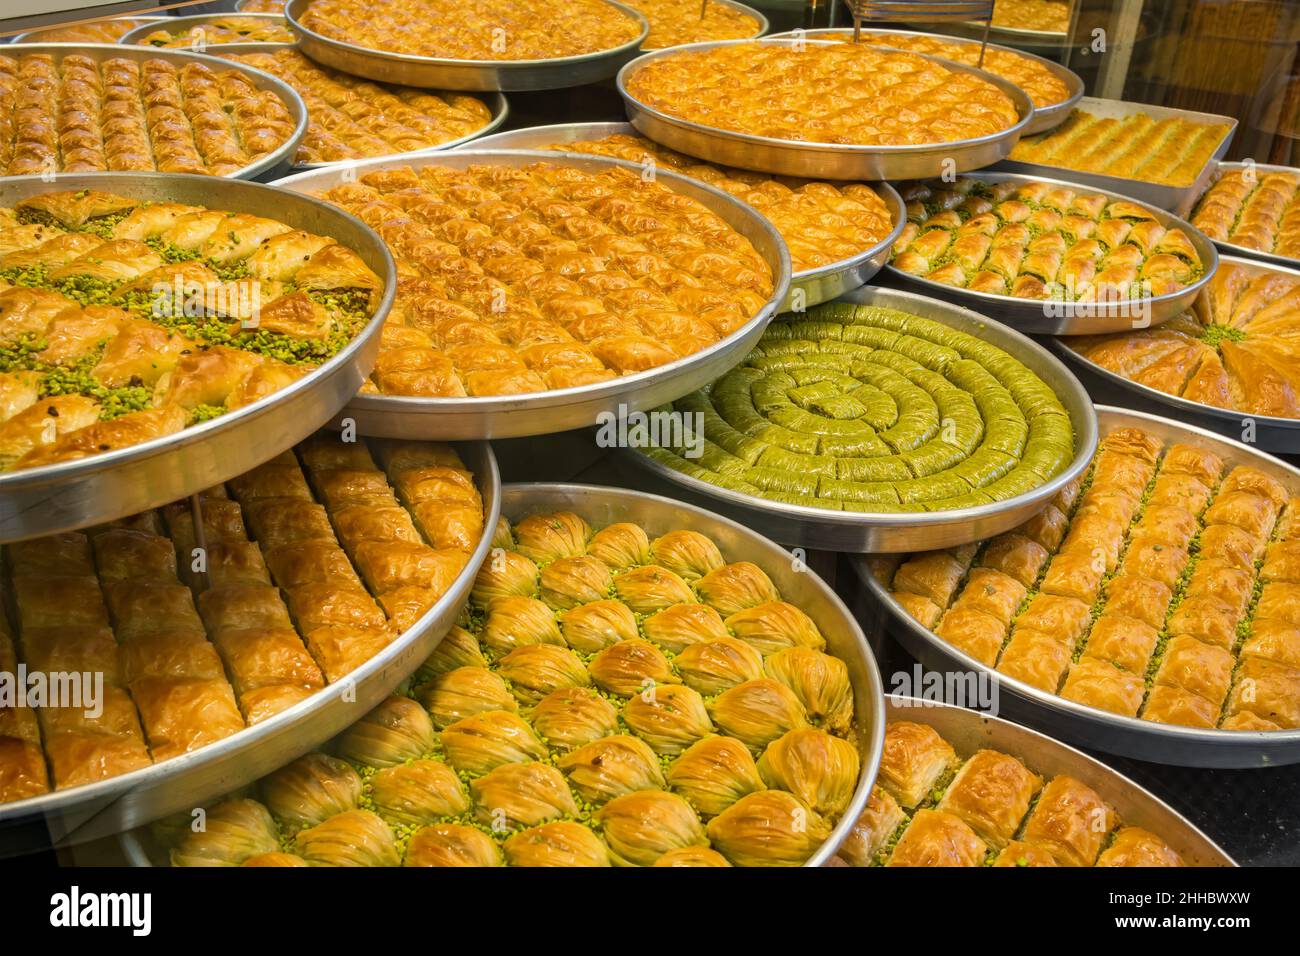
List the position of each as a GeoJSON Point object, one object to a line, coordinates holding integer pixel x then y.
{"type": "Point", "coordinates": [1162, 586]}
{"type": "Point", "coordinates": [485, 30]}
{"type": "Point", "coordinates": [123, 320]}
{"type": "Point", "coordinates": [353, 118]}
{"type": "Point", "coordinates": [526, 279]}
{"type": "Point", "coordinates": [1171, 151]}
{"type": "Point", "coordinates": [1041, 16]}
{"type": "Point", "coordinates": [67, 112]}
{"type": "Point", "coordinates": [219, 30]}
{"type": "Point", "coordinates": [934, 807]}
{"type": "Point", "coordinates": [1035, 240]}
{"type": "Point", "coordinates": [1235, 348]}
{"type": "Point", "coordinates": [299, 572]}
{"type": "Point", "coordinates": [614, 699]}
{"type": "Point", "coordinates": [846, 93]}
{"type": "Point", "coordinates": [866, 409]}
{"type": "Point", "coordinates": [1254, 208]}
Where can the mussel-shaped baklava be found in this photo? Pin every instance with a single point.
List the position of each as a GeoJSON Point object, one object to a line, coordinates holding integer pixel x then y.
{"type": "Point", "coordinates": [713, 774]}
{"type": "Point", "coordinates": [421, 791]}
{"type": "Point", "coordinates": [559, 843]}
{"type": "Point", "coordinates": [452, 844]}
{"type": "Point", "coordinates": [464, 692]}
{"type": "Point", "coordinates": [757, 712]}
{"type": "Point", "coordinates": [569, 582]}
{"type": "Point", "coordinates": [651, 588]}
{"type": "Point", "coordinates": [521, 794]}
{"type": "Point", "coordinates": [641, 827]}
{"type": "Point", "coordinates": [688, 554]}
{"type": "Point", "coordinates": [550, 537]}
{"type": "Point", "coordinates": [668, 718]}
{"type": "Point", "coordinates": [311, 790]}
{"type": "Point", "coordinates": [621, 546]}
{"type": "Point", "coordinates": [819, 681]}
{"type": "Point", "coordinates": [712, 667]}
{"type": "Point", "coordinates": [768, 828]}
{"type": "Point", "coordinates": [536, 670]}
{"type": "Point", "coordinates": [354, 838]}
{"type": "Point", "coordinates": [678, 627]}
{"type": "Point", "coordinates": [774, 626]}
{"type": "Point", "coordinates": [821, 770]}
{"type": "Point", "coordinates": [631, 667]}
{"type": "Point", "coordinates": [485, 741]}
{"type": "Point", "coordinates": [227, 835]}
{"type": "Point", "coordinates": [505, 574]}
{"type": "Point", "coordinates": [572, 717]}
{"type": "Point", "coordinates": [517, 621]}
{"type": "Point", "coordinates": [592, 627]}
{"type": "Point", "coordinates": [611, 767]}
{"type": "Point", "coordinates": [397, 730]}
{"type": "Point", "coordinates": [733, 588]}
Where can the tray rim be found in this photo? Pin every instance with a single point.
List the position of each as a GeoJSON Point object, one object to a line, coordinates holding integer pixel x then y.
{"type": "Point", "coordinates": [1177, 402]}
{"type": "Point", "coordinates": [898, 708]}
{"type": "Point", "coordinates": [1062, 707]}
{"type": "Point", "coordinates": [295, 719]}
{"type": "Point", "coordinates": [559, 398]}
{"type": "Point", "coordinates": [1232, 248]}
{"type": "Point", "coordinates": [1029, 311]}
{"type": "Point", "coordinates": [1085, 443]}
{"type": "Point", "coordinates": [198, 19]}
{"type": "Point", "coordinates": [158, 448]}
{"type": "Point", "coordinates": [99, 52]}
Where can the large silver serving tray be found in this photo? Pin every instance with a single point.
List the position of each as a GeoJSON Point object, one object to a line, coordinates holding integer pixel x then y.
{"type": "Point", "coordinates": [799, 586]}
{"type": "Point", "coordinates": [75, 494]}
{"type": "Point", "coordinates": [1176, 199]}
{"type": "Point", "coordinates": [540, 413]}
{"type": "Point", "coordinates": [1044, 118]}
{"type": "Point", "coordinates": [496, 103]}
{"type": "Point", "coordinates": [908, 531]}
{"type": "Point", "coordinates": [1232, 248]}
{"type": "Point", "coordinates": [274, 163]}
{"type": "Point", "coordinates": [1088, 726]}
{"type": "Point", "coordinates": [468, 75]}
{"type": "Point", "coordinates": [179, 26]}
{"type": "Point", "coordinates": [970, 730]}
{"type": "Point", "coordinates": [34, 36]}
{"type": "Point", "coordinates": [819, 160]}
{"type": "Point", "coordinates": [197, 778]}
{"type": "Point", "coordinates": [810, 287]}
{"type": "Point", "coordinates": [1266, 432]}
{"type": "Point", "coordinates": [1041, 317]}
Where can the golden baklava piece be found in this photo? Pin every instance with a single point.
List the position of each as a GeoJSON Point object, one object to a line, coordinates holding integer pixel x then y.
{"type": "Point", "coordinates": [1254, 208]}
{"type": "Point", "coordinates": [230, 29]}
{"type": "Point", "coordinates": [674, 22]}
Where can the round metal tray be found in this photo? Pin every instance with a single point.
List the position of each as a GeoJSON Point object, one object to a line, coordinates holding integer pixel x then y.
{"type": "Point", "coordinates": [274, 163]}
{"type": "Point", "coordinates": [1043, 317]}
{"type": "Point", "coordinates": [194, 779]}
{"type": "Point", "coordinates": [601, 506]}
{"type": "Point", "coordinates": [763, 23]}
{"type": "Point", "coordinates": [1044, 118]}
{"type": "Point", "coordinates": [1270, 433]}
{"type": "Point", "coordinates": [34, 36]}
{"type": "Point", "coordinates": [1088, 726]}
{"type": "Point", "coordinates": [466, 75]}
{"type": "Point", "coordinates": [496, 103]}
{"type": "Point", "coordinates": [817, 285]}
{"type": "Point", "coordinates": [969, 730]}
{"type": "Point", "coordinates": [86, 491]}
{"type": "Point", "coordinates": [540, 413]}
{"type": "Point", "coordinates": [819, 160]}
{"type": "Point", "coordinates": [1231, 247]}
{"type": "Point", "coordinates": [909, 531]}
{"type": "Point", "coordinates": [179, 25]}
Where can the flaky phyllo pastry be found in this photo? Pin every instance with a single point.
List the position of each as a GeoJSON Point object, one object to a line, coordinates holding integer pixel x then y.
{"type": "Point", "coordinates": [65, 112]}
{"type": "Point", "coordinates": [932, 807]}
{"type": "Point", "coordinates": [1164, 585]}
{"type": "Point", "coordinates": [822, 223]}
{"type": "Point", "coordinates": [610, 699]}
{"type": "Point", "coordinates": [1238, 346]}
{"type": "Point", "coordinates": [1254, 208]}
{"type": "Point", "coordinates": [867, 409]}
{"type": "Point", "coordinates": [312, 564]}
{"type": "Point", "coordinates": [352, 118]}
{"type": "Point", "coordinates": [231, 29]}
{"type": "Point", "coordinates": [498, 30]}
{"type": "Point", "coordinates": [545, 276]}
{"type": "Point", "coordinates": [821, 92]}
{"type": "Point", "coordinates": [1034, 240]}
{"type": "Point", "coordinates": [124, 320]}
{"type": "Point", "coordinates": [674, 22]}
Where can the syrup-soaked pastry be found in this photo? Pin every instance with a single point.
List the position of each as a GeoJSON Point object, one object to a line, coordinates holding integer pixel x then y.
{"type": "Point", "coordinates": [914, 761]}
{"type": "Point", "coordinates": [1069, 821]}
{"type": "Point", "coordinates": [96, 31]}
{"type": "Point", "coordinates": [936, 838]}
{"type": "Point", "coordinates": [1134, 846]}
{"type": "Point", "coordinates": [218, 30]}
{"type": "Point", "coordinates": [675, 22]}
{"type": "Point", "coordinates": [991, 793]}
{"type": "Point", "coordinates": [1252, 208]}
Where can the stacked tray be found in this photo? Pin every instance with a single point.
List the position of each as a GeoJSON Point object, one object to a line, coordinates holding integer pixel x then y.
{"type": "Point", "coordinates": [543, 412]}
{"type": "Point", "coordinates": [810, 286]}
{"type": "Point", "coordinates": [179, 27]}
{"type": "Point", "coordinates": [819, 160]}
{"type": "Point", "coordinates": [1175, 198]}
{"type": "Point", "coordinates": [469, 75]}
{"type": "Point", "coordinates": [1045, 117]}
{"type": "Point", "coordinates": [1088, 726]}
{"type": "Point", "coordinates": [736, 577]}
{"type": "Point", "coordinates": [1054, 317]}
{"type": "Point", "coordinates": [96, 31]}
{"type": "Point", "coordinates": [892, 528]}
{"type": "Point", "coordinates": [101, 487]}
{"type": "Point", "coordinates": [375, 657]}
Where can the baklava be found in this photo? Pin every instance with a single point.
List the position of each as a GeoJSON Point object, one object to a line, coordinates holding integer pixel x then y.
{"type": "Point", "coordinates": [300, 572]}
{"type": "Point", "coordinates": [1253, 208]}
{"type": "Point", "coordinates": [1163, 585]}
{"type": "Point", "coordinates": [1170, 151]}
{"type": "Point", "coordinates": [124, 320]}
{"type": "Point", "coordinates": [1233, 349]}
{"type": "Point", "coordinates": [822, 223]}
{"type": "Point", "coordinates": [228, 29]}
{"type": "Point", "coordinates": [868, 409]}
{"type": "Point", "coordinates": [1039, 241]}
{"type": "Point", "coordinates": [352, 118]}
{"type": "Point", "coordinates": [525, 279]}
{"type": "Point", "coordinates": [70, 113]}
{"type": "Point", "coordinates": [96, 31]}
{"type": "Point", "coordinates": [614, 699]}
{"type": "Point", "coordinates": [1039, 16]}
{"type": "Point", "coordinates": [841, 93]}
{"type": "Point", "coordinates": [674, 22]}
{"type": "Point", "coordinates": [497, 30]}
